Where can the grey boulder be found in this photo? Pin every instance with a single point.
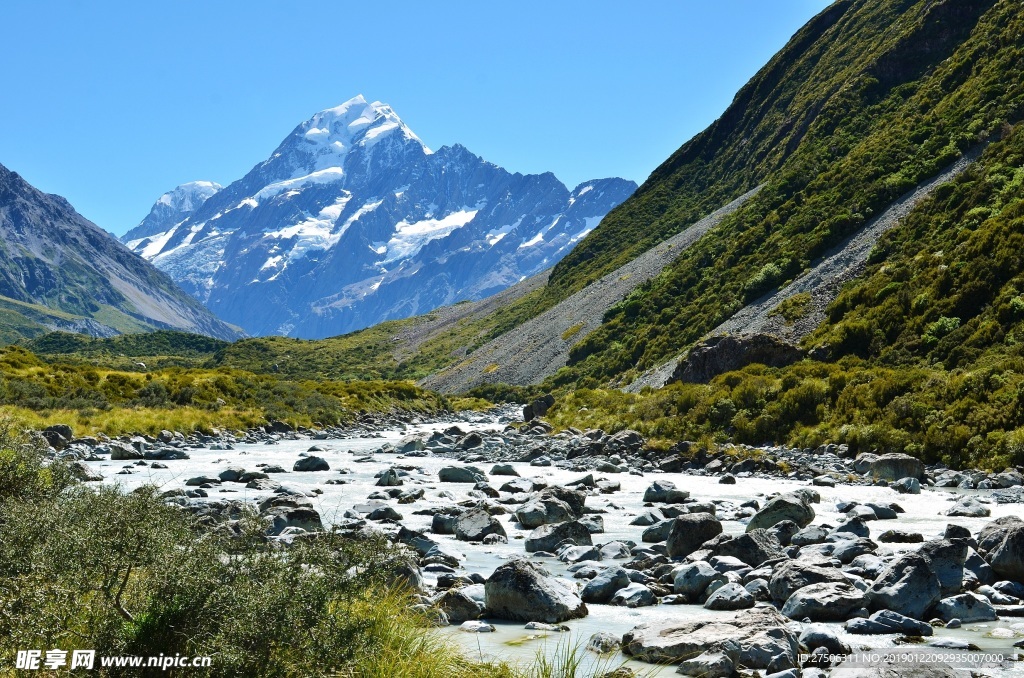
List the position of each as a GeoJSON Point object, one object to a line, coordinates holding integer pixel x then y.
{"type": "Point", "coordinates": [521, 591]}
{"type": "Point", "coordinates": [689, 531]}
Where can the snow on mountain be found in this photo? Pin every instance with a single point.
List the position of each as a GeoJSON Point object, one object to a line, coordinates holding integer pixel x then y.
{"type": "Point", "coordinates": [170, 209]}
{"type": "Point", "coordinates": [352, 220]}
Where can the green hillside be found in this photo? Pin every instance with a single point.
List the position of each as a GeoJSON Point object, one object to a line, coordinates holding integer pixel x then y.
{"type": "Point", "coordinates": [872, 97]}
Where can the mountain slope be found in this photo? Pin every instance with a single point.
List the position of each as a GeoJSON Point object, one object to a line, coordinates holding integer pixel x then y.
{"type": "Point", "coordinates": [920, 83]}
{"type": "Point", "coordinates": [60, 271]}
{"type": "Point", "coordinates": [353, 220]}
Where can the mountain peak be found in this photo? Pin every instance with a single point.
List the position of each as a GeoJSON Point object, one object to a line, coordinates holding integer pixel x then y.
{"type": "Point", "coordinates": [189, 196]}
{"type": "Point", "coordinates": [354, 123]}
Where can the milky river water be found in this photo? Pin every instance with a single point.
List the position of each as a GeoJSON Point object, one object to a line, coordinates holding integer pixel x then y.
{"type": "Point", "coordinates": [924, 514]}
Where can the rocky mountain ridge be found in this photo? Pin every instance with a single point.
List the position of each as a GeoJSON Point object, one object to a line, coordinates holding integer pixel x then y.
{"type": "Point", "coordinates": [58, 270]}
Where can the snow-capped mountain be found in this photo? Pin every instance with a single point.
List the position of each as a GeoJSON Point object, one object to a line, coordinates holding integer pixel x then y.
{"type": "Point", "coordinates": [173, 207]}
{"type": "Point", "coordinates": [353, 220]}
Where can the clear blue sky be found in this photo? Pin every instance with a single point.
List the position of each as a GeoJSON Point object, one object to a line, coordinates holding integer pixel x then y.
{"type": "Point", "coordinates": [112, 103]}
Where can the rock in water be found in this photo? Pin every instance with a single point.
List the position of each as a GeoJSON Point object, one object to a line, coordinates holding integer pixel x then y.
{"type": "Point", "coordinates": [893, 467]}
{"type": "Point", "coordinates": [1007, 556]}
{"type": "Point", "coordinates": [967, 607]}
{"type": "Point", "coordinates": [689, 531]}
{"type": "Point", "coordinates": [752, 548]}
{"type": "Point", "coordinates": [823, 602]}
{"type": "Point", "coordinates": [547, 537]}
{"type": "Point", "coordinates": [732, 596]}
{"type": "Point", "coordinates": [521, 591]}
{"type": "Point", "coordinates": [601, 588]}
{"type": "Point", "coordinates": [786, 507]}
{"type": "Point", "coordinates": [461, 474]}
{"type": "Point", "coordinates": [311, 464]}
{"type": "Point", "coordinates": [475, 524]}
{"type": "Point", "coordinates": [761, 636]}
{"type": "Point", "coordinates": [908, 586]}
{"type": "Point", "coordinates": [665, 491]}
{"type": "Point", "coordinates": [791, 576]}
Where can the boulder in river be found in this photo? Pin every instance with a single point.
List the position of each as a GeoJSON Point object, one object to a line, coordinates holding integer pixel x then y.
{"type": "Point", "coordinates": [908, 586]}
{"type": "Point", "coordinates": [519, 590]}
{"type": "Point", "coordinates": [760, 639]}
{"type": "Point", "coordinates": [601, 588]}
{"type": "Point", "coordinates": [893, 467]}
{"type": "Point", "coordinates": [665, 491]}
{"type": "Point", "coordinates": [793, 575]}
{"type": "Point", "coordinates": [824, 602]}
{"type": "Point", "coordinates": [786, 507]}
{"type": "Point", "coordinates": [311, 463]}
{"type": "Point", "coordinates": [730, 597]}
{"type": "Point", "coordinates": [887, 621]}
{"type": "Point", "coordinates": [967, 607]}
{"type": "Point", "coordinates": [475, 524]}
{"type": "Point", "coordinates": [1007, 556]}
{"type": "Point", "coordinates": [753, 548]}
{"type": "Point", "coordinates": [461, 474]}
{"type": "Point", "coordinates": [689, 531]}
{"type": "Point", "coordinates": [548, 537]}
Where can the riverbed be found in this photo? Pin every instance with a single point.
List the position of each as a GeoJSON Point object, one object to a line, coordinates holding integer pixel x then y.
{"type": "Point", "coordinates": [355, 456]}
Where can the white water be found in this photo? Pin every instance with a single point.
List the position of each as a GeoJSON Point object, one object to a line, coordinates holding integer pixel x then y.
{"type": "Point", "coordinates": [924, 514]}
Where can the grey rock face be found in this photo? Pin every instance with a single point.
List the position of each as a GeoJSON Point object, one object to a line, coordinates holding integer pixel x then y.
{"type": "Point", "coordinates": [947, 559]}
{"type": "Point", "coordinates": [721, 354]}
{"type": "Point", "coordinates": [521, 591]}
{"type": "Point", "coordinates": [56, 258]}
{"type": "Point", "coordinates": [353, 221]}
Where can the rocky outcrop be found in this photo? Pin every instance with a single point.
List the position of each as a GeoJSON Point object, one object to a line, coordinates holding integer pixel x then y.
{"type": "Point", "coordinates": [721, 354]}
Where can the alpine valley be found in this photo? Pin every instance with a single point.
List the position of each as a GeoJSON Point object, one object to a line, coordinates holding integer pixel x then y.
{"type": "Point", "coordinates": [353, 221]}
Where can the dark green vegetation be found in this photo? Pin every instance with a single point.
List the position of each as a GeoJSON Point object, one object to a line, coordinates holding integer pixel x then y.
{"type": "Point", "coordinates": [126, 574]}
{"type": "Point", "coordinates": [867, 100]}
